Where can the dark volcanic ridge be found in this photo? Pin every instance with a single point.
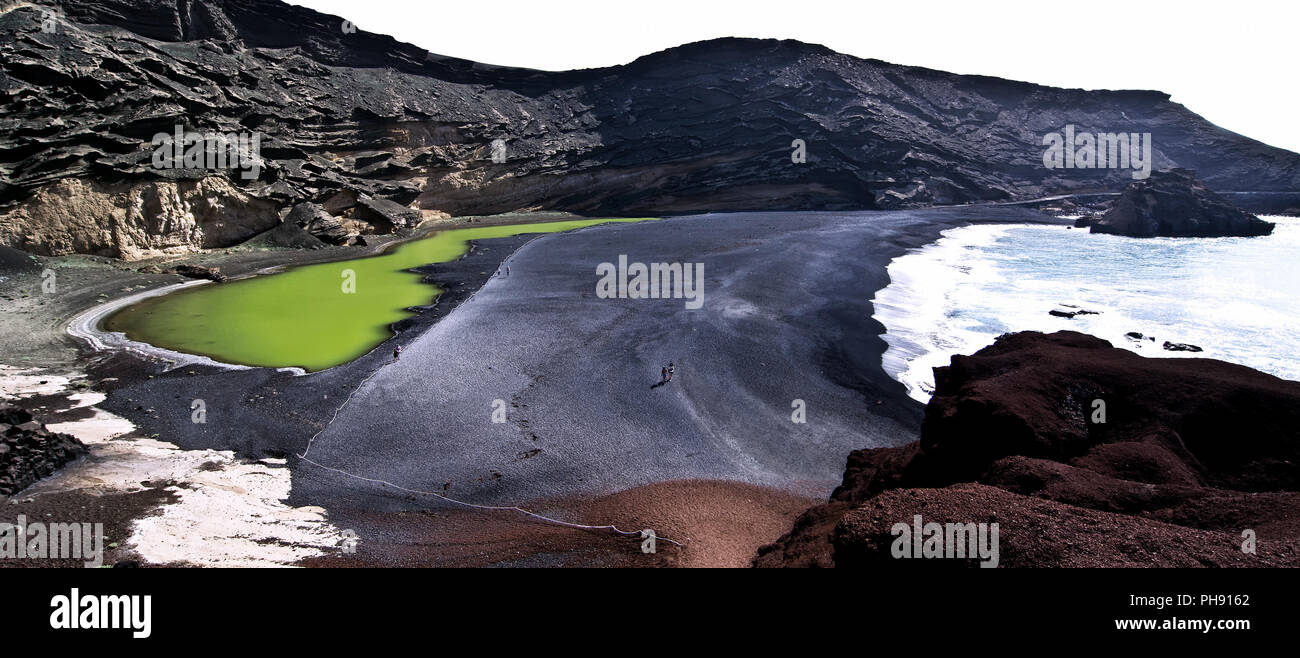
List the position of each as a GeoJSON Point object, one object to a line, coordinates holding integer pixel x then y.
{"type": "Point", "coordinates": [1192, 455]}
{"type": "Point", "coordinates": [354, 121]}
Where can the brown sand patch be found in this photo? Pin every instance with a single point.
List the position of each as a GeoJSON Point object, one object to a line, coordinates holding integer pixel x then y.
{"type": "Point", "coordinates": [719, 523]}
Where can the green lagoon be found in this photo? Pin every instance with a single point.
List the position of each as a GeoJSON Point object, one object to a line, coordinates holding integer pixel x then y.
{"type": "Point", "coordinates": [302, 317]}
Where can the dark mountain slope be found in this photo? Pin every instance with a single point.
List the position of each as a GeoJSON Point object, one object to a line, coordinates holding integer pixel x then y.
{"type": "Point", "coordinates": [706, 126]}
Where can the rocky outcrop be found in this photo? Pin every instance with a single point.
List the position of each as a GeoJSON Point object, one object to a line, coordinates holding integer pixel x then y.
{"type": "Point", "coordinates": [385, 214]}
{"type": "Point", "coordinates": [286, 235]}
{"type": "Point", "coordinates": [1176, 204]}
{"type": "Point", "coordinates": [28, 451]}
{"type": "Point", "coordinates": [1067, 432]}
{"type": "Point", "coordinates": [344, 115]}
{"type": "Point", "coordinates": [137, 221]}
{"type": "Point", "coordinates": [320, 224]}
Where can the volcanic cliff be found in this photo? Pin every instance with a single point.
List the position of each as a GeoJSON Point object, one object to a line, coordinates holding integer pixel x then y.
{"type": "Point", "coordinates": [346, 118]}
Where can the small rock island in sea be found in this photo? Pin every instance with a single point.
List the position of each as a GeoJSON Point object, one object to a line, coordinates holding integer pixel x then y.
{"type": "Point", "coordinates": [1174, 203]}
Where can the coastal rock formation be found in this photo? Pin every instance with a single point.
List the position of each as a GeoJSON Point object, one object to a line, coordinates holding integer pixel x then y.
{"type": "Point", "coordinates": [1033, 532]}
{"type": "Point", "coordinates": [28, 451]}
{"type": "Point", "coordinates": [1176, 204]}
{"type": "Point", "coordinates": [1067, 432]}
{"type": "Point", "coordinates": [353, 121]}
{"type": "Point", "coordinates": [137, 221]}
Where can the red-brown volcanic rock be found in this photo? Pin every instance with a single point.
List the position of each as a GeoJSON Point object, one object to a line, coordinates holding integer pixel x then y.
{"type": "Point", "coordinates": [1187, 444]}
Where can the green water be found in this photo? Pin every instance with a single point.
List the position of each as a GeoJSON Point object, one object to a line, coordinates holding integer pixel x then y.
{"type": "Point", "coordinates": [303, 317]}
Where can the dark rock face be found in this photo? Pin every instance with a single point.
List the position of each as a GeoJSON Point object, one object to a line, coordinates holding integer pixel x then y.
{"type": "Point", "coordinates": [200, 272]}
{"type": "Point", "coordinates": [28, 451]}
{"type": "Point", "coordinates": [320, 224]}
{"type": "Point", "coordinates": [287, 235]}
{"type": "Point", "coordinates": [706, 126]}
{"type": "Point", "coordinates": [1176, 204]}
{"type": "Point", "coordinates": [1193, 449]}
{"type": "Point", "coordinates": [385, 214]}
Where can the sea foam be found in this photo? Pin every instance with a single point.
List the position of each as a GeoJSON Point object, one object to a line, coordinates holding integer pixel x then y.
{"type": "Point", "coordinates": [1237, 298]}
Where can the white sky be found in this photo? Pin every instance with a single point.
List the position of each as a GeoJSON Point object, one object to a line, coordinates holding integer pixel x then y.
{"type": "Point", "coordinates": [1231, 62]}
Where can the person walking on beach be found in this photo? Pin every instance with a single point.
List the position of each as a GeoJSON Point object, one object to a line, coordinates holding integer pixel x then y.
{"type": "Point", "coordinates": [663, 375]}
{"type": "Point", "coordinates": [670, 371]}
{"type": "Point", "coordinates": [507, 270]}
{"type": "Point", "coordinates": [397, 352]}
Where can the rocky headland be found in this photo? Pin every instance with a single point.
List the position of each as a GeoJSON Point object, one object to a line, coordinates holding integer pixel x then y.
{"type": "Point", "coordinates": [1085, 455]}
{"type": "Point", "coordinates": [1176, 204]}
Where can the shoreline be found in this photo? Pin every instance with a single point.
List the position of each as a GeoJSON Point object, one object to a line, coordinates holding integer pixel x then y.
{"type": "Point", "coordinates": [360, 439]}
{"type": "Point", "coordinates": [120, 446]}
{"type": "Point", "coordinates": [278, 413]}
{"type": "Point", "coordinates": [86, 325]}
{"type": "Point", "coordinates": [925, 327]}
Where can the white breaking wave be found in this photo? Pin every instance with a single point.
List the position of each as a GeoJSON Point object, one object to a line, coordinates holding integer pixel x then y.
{"type": "Point", "coordinates": [1237, 298]}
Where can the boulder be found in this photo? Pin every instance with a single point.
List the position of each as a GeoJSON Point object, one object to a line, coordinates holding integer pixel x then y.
{"type": "Point", "coordinates": [28, 451]}
{"type": "Point", "coordinates": [319, 223]}
{"type": "Point", "coordinates": [200, 272]}
{"type": "Point", "coordinates": [386, 215]}
{"type": "Point", "coordinates": [286, 235]}
{"type": "Point", "coordinates": [1068, 311]}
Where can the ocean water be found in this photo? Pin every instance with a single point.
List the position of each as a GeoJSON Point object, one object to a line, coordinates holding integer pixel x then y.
{"type": "Point", "coordinates": [1237, 298]}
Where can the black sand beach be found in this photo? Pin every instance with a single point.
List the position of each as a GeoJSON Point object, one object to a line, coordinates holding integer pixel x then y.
{"type": "Point", "coordinates": [786, 316]}
{"type": "Point", "coordinates": [712, 458]}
